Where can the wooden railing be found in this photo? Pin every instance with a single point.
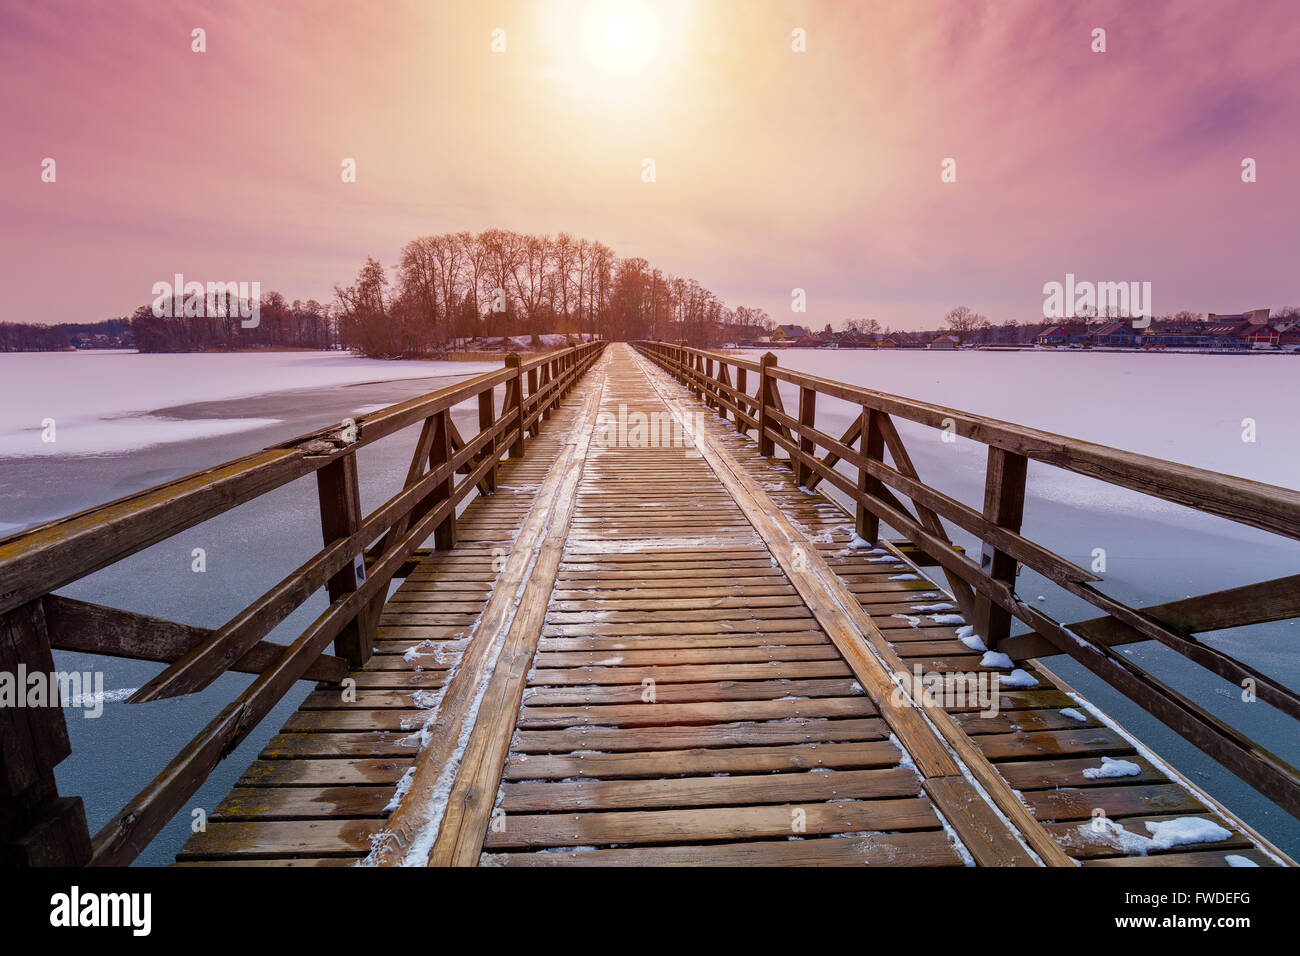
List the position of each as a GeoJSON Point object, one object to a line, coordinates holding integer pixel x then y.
{"type": "Point", "coordinates": [360, 556]}
{"type": "Point", "coordinates": [985, 589]}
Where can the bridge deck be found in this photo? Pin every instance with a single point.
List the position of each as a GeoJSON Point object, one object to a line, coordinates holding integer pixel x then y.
{"type": "Point", "coordinates": [674, 655]}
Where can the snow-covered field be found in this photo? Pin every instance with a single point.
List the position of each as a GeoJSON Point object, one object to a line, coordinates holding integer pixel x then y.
{"type": "Point", "coordinates": [99, 402]}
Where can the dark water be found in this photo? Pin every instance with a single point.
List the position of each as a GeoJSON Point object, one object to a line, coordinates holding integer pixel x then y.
{"type": "Point", "coordinates": [247, 550]}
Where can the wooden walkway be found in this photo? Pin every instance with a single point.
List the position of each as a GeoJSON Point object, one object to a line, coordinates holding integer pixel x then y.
{"type": "Point", "coordinates": [650, 647]}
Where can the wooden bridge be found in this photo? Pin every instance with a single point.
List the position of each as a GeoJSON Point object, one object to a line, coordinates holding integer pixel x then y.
{"type": "Point", "coordinates": [627, 632]}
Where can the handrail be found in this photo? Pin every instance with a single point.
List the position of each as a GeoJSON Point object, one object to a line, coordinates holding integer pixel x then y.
{"type": "Point", "coordinates": [985, 590]}
{"type": "Point", "coordinates": [359, 557]}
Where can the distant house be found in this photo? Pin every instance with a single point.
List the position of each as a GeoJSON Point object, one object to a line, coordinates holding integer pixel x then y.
{"type": "Point", "coordinates": [1233, 335]}
{"type": "Point", "coordinates": [1263, 337]}
{"type": "Point", "coordinates": [1055, 335]}
{"type": "Point", "coordinates": [1115, 335]}
{"type": "Point", "coordinates": [1177, 338]}
{"type": "Point", "coordinates": [900, 340]}
{"type": "Point", "coordinates": [1254, 317]}
{"type": "Point", "coordinates": [787, 334]}
{"type": "Point", "coordinates": [1288, 336]}
{"type": "Point", "coordinates": [943, 341]}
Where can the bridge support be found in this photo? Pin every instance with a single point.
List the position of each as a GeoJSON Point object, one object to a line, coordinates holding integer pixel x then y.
{"type": "Point", "coordinates": [514, 405]}
{"type": "Point", "coordinates": [866, 523]}
{"type": "Point", "coordinates": [37, 826]}
{"type": "Point", "coordinates": [339, 490]}
{"type": "Point", "coordinates": [766, 386]}
{"type": "Point", "coordinates": [1004, 505]}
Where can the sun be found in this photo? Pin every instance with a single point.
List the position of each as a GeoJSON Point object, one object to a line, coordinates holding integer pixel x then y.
{"type": "Point", "coordinates": [620, 37]}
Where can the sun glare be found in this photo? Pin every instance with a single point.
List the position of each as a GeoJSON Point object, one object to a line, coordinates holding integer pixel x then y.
{"type": "Point", "coordinates": [625, 52]}
{"type": "Point", "coordinates": [620, 37]}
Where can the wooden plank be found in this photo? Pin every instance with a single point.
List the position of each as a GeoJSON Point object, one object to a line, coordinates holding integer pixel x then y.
{"type": "Point", "coordinates": [926, 848]}
{"type": "Point", "coordinates": [858, 755]}
{"type": "Point", "coordinates": [703, 825]}
{"type": "Point", "coordinates": [738, 734]}
{"type": "Point", "coordinates": [712, 712]}
{"type": "Point", "coordinates": [552, 797]}
{"type": "Point", "coordinates": [976, 822]}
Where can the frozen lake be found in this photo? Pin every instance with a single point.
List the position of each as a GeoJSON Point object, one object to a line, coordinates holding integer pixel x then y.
{"type": "Point", "coordinates": [125, 422]}
{"type": "Point", "coordinates": [105, 402]}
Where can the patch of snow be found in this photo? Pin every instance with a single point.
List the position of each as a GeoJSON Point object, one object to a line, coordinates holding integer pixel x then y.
{"type": "Point", "coordinates": [1110, 767]}
{"type": "Point", "coordinates": [91, 700]}
{"type": "Point", "coordinates": [1171, 833]}
{"type": "Point", "coordinates": [972, 640]}
{"type": "Point", "coordinates": [996, 659]}
{"type": "Point", "coordinates": [1017, 678]}
{"type": "Point", "coordinates": [403, 785]}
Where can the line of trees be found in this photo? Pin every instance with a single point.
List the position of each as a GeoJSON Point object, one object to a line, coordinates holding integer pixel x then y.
{"type": "Point", "coordinates": [38, 337]}
{"type": "Point", "coordinates": [452, 287]}
{"type": "Point", "coordinates": [281, 325]}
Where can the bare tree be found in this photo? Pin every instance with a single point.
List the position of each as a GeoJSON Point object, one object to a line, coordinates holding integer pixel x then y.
{"type": "Point", "coordinates": [964, 321]}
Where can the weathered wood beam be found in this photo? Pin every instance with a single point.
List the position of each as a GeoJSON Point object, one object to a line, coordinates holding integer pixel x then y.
{"type": "Point", "coordinates": [96, 629]}
{"type": "Point", "coordinates": [1004, 506]}
{"type": "Point", "coordinates": [1275, 600]}
{"type": "Point", "coordinates": [37, 826]}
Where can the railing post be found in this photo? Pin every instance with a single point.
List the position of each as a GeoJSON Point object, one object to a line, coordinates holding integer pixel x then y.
{"type": "Point", "coordinates": [723, 384]}
{"type": "Point", "coordinates": [440, 453]}
{"type": "Point", "coordinates": [766, 383]}
{"type": "Point", "coordinates": [689, 378]}
{"type": "Point", "coordinates": [866, 524]}
{"type": "Point", "coordinates": [532, 392]}
{"type": "Point", "coordinates": [37, 826]}
{"type": "Point", "coordinates": [515, 405]}
{"type": "Point", "coordinates": [487, 417]}
{"type": "Point", "coordinates": [339, 491]}
{"type": "Point", "coordinates": [1004, 505]}
{"type": "Point", "coordinates": [807, 417]}
{"type": "Point", "coordinates": [709, 401]}
{"type": "Point", "coordinates": [548, 376]}
{"type": "Point", "coordinates": [742, 388]}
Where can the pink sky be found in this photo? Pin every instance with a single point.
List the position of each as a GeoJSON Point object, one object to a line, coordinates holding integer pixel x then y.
{"type": "Point", "coordinates": [775, 169]}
